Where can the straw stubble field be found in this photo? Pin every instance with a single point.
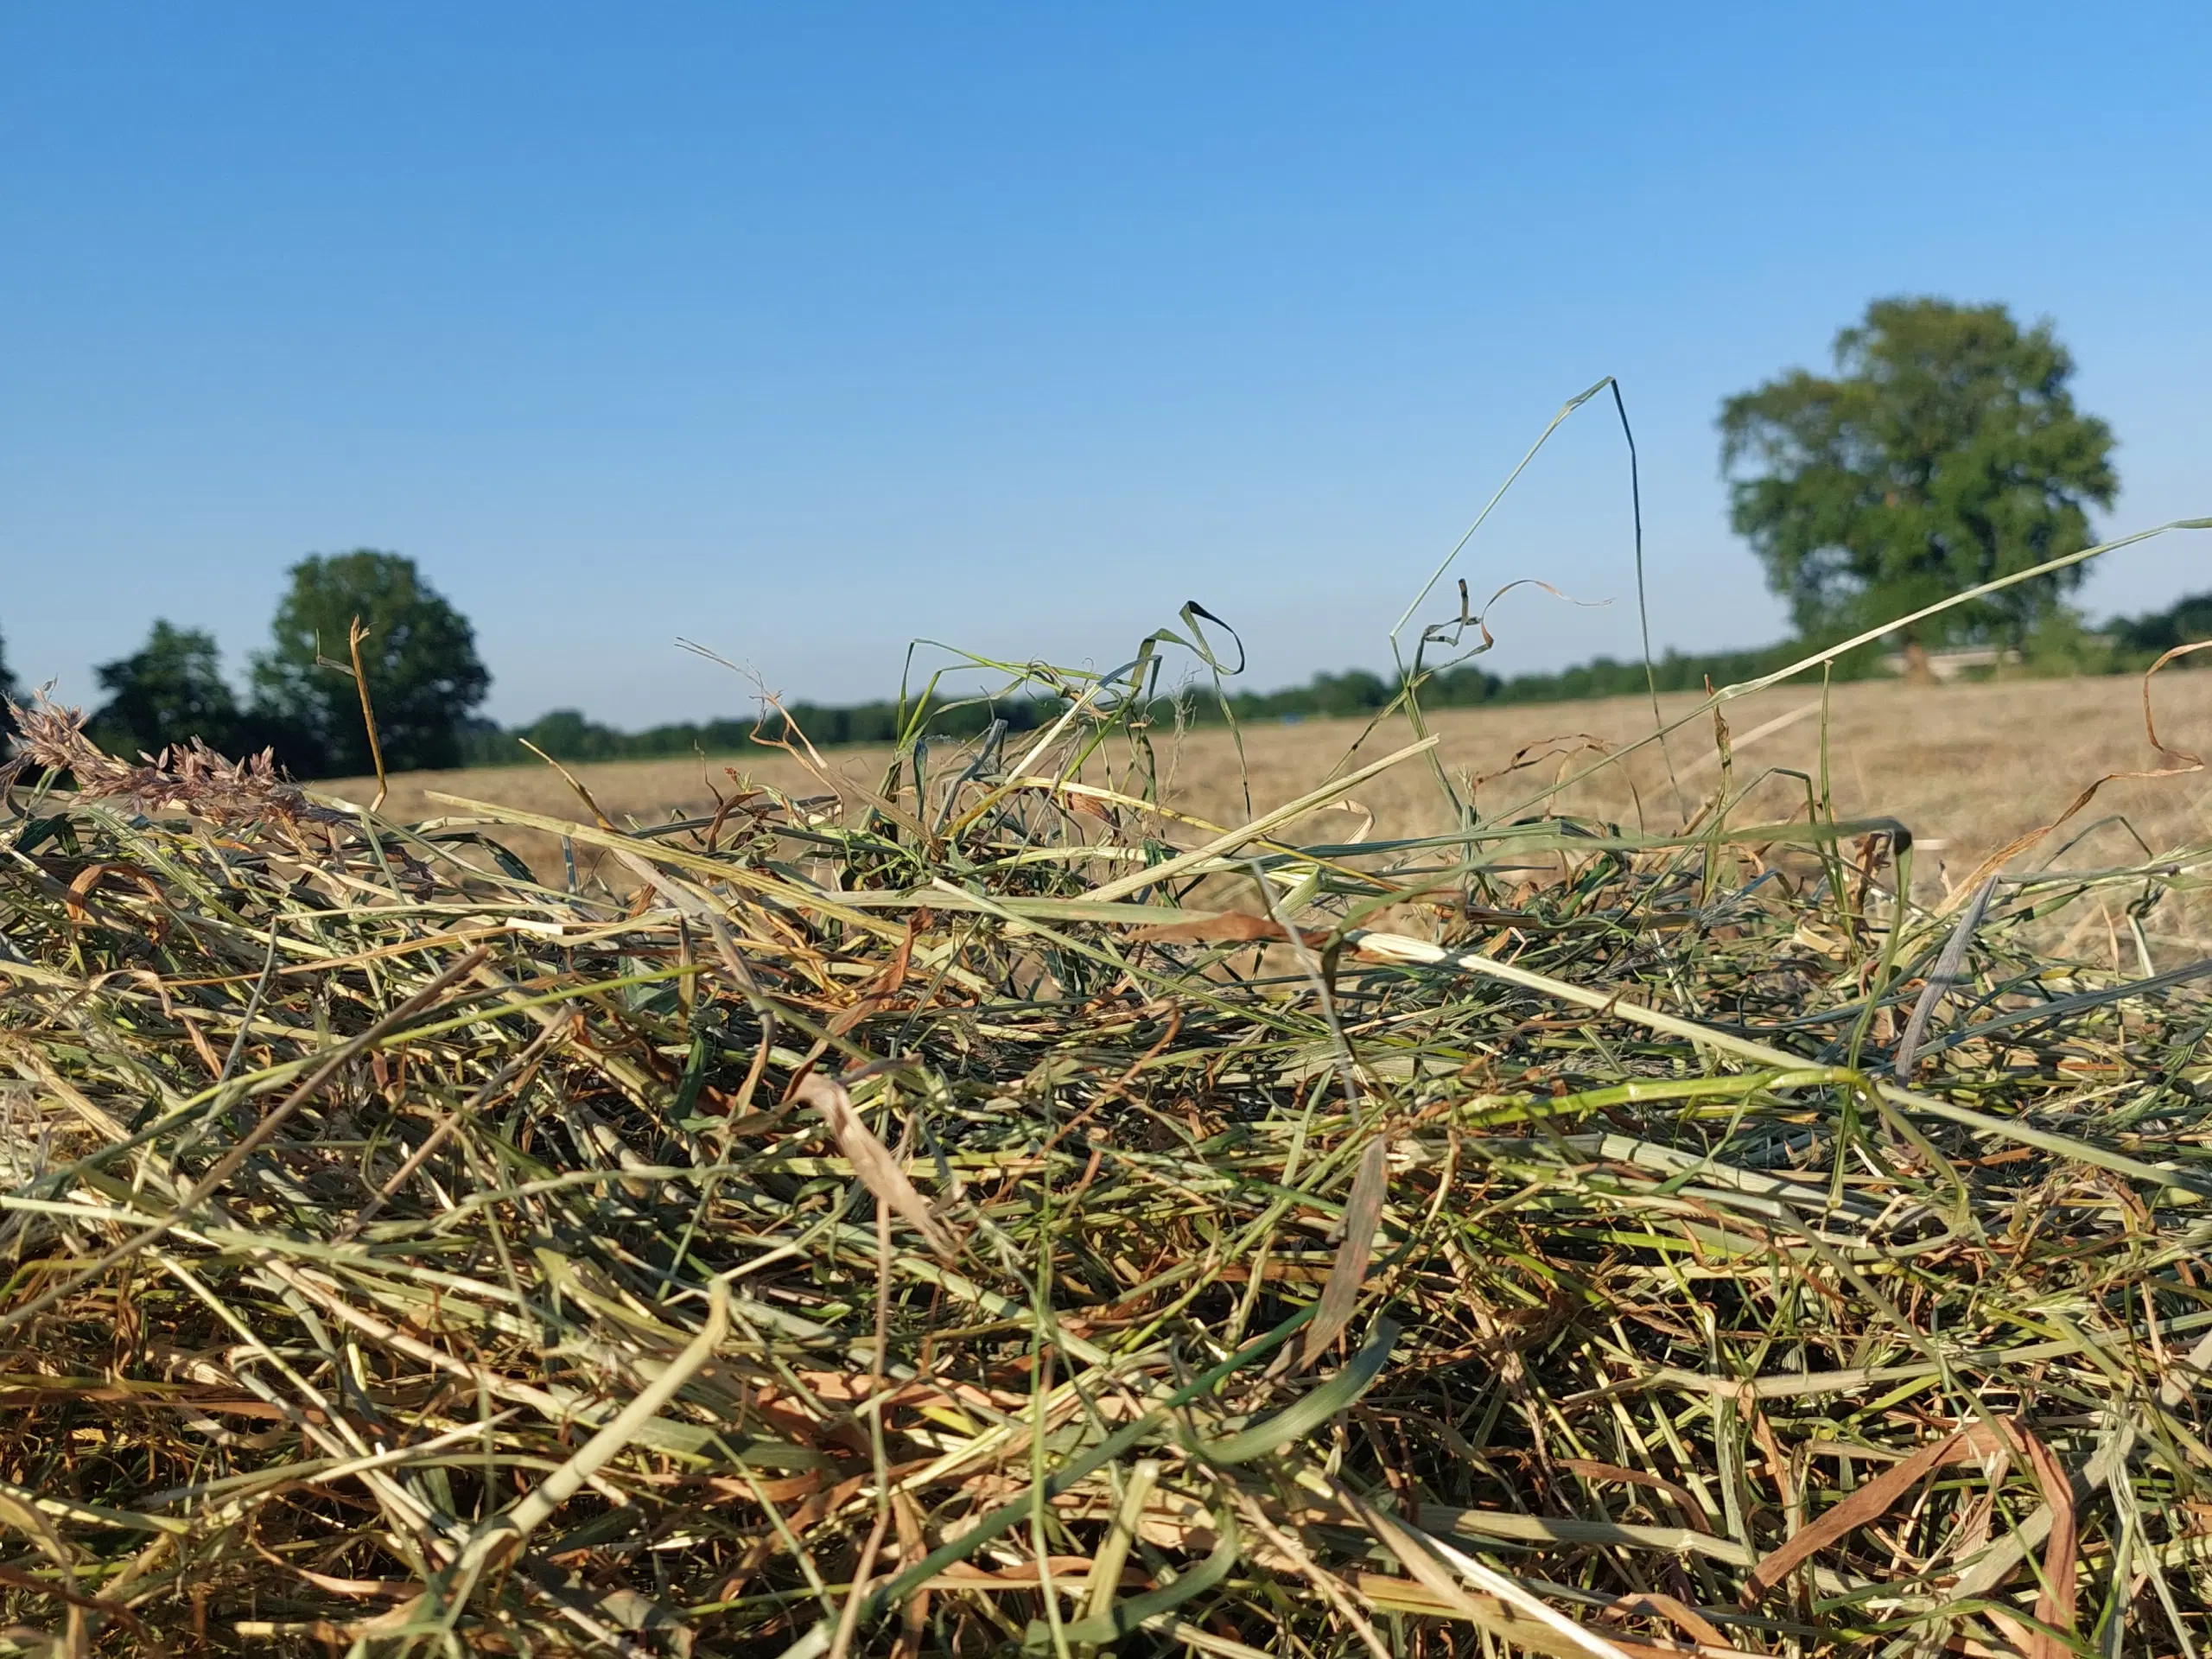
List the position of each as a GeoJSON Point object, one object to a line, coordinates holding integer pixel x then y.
{"type": "Point", "coordinates": [1967, 767]}
{"type": "Point", "coordinates": [1001, 1216]}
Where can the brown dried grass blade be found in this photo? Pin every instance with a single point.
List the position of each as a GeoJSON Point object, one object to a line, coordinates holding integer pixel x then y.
{"type": "Point", "coordinates": [1870, 1502]}
{"type": "Point", "coordinates": [2055, 1602]}
{"type": "Point", "coordinates": [873, 1162]}
{"type": "Point", "coordinates": [1700, 1630]}
{"type": "Point", "coordinates": [1340, 1295]}
{"type": "Point", "coordinates": [1231, 927]}
{"type": "Point", "coordinates": [573, 782]}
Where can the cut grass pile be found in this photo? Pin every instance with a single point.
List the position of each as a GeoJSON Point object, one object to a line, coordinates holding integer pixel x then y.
{"type": "Point", "coordinates": [982, 1211]}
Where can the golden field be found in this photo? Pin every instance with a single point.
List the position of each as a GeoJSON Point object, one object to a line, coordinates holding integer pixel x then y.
{"type": "Point", "coordinates": [1967, 767]}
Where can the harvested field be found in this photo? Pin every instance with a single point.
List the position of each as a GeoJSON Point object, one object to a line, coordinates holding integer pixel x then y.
{"type": "Point", "coordinates": [1967, 767]}
{"type": "Point", "coordinates": [996, 1215]}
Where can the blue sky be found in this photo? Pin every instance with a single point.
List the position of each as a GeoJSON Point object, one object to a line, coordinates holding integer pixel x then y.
{"type": "Point", "coordinates": [802, 332]}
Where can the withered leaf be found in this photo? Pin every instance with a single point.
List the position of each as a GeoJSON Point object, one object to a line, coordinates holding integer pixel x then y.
{"type": "Point", "coordinates": [1341, 1293]}
{"type": "Point", "coordinates": [873, 1162]}
{"type": "Point", "coordinates": [1229, 928]}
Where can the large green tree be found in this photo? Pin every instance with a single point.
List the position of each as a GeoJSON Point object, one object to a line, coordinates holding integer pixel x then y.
{"type": "Point", "coordinates": [419, 653]}
{"type": "Point", "coordinates": [1943, 452]}
{"type": "Point", "coordinates": [168, 691]}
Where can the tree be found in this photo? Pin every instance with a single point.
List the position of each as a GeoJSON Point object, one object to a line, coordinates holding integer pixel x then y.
{"type": "Point", "coordinates": [167, 691]}
{"type": "Point", "coordinates": [1944, 452]}
{"type": "Point", "coordinates": [419, 653]}
{"type": "Point", "coordinates": [566, 735]}
{"type": "Point", "coordinates": [2185, 622]}
{"type": "Point", "coordinates": [8, 690]}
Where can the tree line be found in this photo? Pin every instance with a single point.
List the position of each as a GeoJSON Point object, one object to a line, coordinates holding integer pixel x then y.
{"type": "Point", "coordinates": [568, 735]}
{"type": "Point", "coordinates": [344, 619]}
{"type": "Point", "coordinates": [1942, 452]}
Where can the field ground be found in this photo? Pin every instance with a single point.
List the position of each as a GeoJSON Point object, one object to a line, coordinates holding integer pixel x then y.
{"type": "Point", "coordinates": [1967, 767]}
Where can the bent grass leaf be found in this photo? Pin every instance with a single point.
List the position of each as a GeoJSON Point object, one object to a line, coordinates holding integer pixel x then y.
{"type": "Point", "coordinates": [1309, 1411]}
{"type": "Point", "coordinates": [872, 1161]}
{"type": "Point", "coordinates": [1363, 1210]}
{"type": "Point", "coordinates": [1128, 1615]}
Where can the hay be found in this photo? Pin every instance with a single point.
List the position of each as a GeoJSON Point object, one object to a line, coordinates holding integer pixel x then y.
{"type": "Point", "coordinates": [894, 1223]}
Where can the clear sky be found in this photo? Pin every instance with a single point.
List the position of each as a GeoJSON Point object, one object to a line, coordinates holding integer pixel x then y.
{"type": "Point", "coordinates": [802, 331]}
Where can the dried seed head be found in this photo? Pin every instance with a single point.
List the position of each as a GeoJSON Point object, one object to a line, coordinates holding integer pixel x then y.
{"type": "Point", "coordinates": [189, 779]}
